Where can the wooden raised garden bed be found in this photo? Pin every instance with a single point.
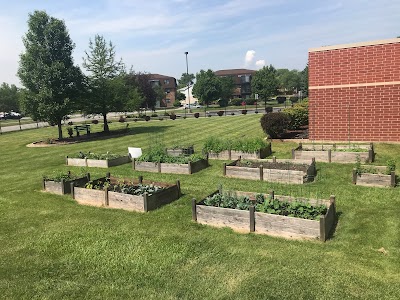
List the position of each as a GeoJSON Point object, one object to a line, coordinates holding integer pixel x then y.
{"type": "Point", "coordinates": [376, 179]}
{"type": "Point", "coordinates": [64, 186]}
{"type": "Point", "coordinates": [181, 151]}
{"type": "Point", "coordinates": [141, 203]}
{"type": "Point", "coordinates": [334, 153]}
{"type": "Point", "coordinates": [98, 163]}
{"type": "Point", "coordinates": [265, 223]}
{"type": "Point", "coordinates": [189, 168]}
{"type": "Point", "coordinates": [233, 154]}
{"type": "Point", "coordinates": [282, 171]}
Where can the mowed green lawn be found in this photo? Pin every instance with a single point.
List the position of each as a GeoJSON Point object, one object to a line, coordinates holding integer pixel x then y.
{"type": "Point", "coordinates": [53, 248]}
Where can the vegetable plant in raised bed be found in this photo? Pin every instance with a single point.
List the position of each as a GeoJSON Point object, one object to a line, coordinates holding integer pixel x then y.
{"type": "Point", "coordinates": [282, 171]}
{"type": "Point", "coordinates": [178, 150]}
{"type": "Point", "coordinates": [377, 176]}
{"type": "Point", "coordinates": [128, 194]}
{"type": "Point", "coordinates": [247, 148]}
{"type": "Point", "coordinates": [267, 214]}
{"type": "Point", "coordinates": [155, 159]}
{"type": "Point", "coordinates": [335, 153]}
{"type": "Point", "coordinates": [90, 159]}
{"type": "Point", "coordinates": [60, 182]}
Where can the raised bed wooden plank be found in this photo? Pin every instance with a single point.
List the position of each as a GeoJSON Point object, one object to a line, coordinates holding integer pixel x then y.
{"type": "Point", "coordinates": [97, 163]}
{"type": "Point", "coordinates": [224, 217]}
{"type": "Point", "coordinates": [64, 186]}
{"type": "Point", "coordinates": [89, 196]}
{"type": "Point", "coordinates": [233, 154]}
{"type": "Point", "coordinates": [248, 221]}
{"type": "Point", "coordinates": [190, 168]}
{"type": "Point", "coordinates": [125, 201]}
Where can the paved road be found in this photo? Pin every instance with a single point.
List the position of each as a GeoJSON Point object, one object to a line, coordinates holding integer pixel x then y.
{"type": "Point", "coordinates": [79, 118]}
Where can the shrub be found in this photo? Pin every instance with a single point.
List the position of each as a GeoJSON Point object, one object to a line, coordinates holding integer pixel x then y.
{"type": "Point", "coordinates": [147, 118]}
{"type": "Point", "coordinates": [177, 104]}
{"type": "Point", "coordinates": [275, 124]}
{"type": "Point", "coordinates": [161, 118]}
{"type": "Point", "coordinates": [154, 115]}
{"type": "Point", "coordinates": [244, 111]}
{"type": "Point", "coordinates": [172, 116]}
{"type": "Point", "coordinates": [220, 113]}
{"type": "Point", "coordinates": [294, 99]}
{"type": "Point", "coordinates": [236, 101]}
{"type": "Point", "coordinates": [269, 109]}
{"type": "Point", "coordinates": [196, 115]}
{"type": "Point", "coordinates": [70, 123]}
{"type": "Point", "coordinates": [281, 99]}
{"type": "Point", "coordinates": [95, 121]}
{"type": "Point", "coordinates": [70, 132]}
{"type": "Point", "coordinates": [232, 113]}
{"type": "Point", "coordinates": [121, 119]}
{"type": "Point", "coordinates": [166, 114]}
{"type": "Point", "coordinates": [249, 101]}
{"type": "Point", "coordinates": [249, 145]}
{"type": "Point", "coordinates": [298, 115]}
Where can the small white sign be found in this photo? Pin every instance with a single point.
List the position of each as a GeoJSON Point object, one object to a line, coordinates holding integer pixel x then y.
{"type": "Point", "coordinates": [256, 96]}
{"type": "Point", "coordinates": [134, 152]}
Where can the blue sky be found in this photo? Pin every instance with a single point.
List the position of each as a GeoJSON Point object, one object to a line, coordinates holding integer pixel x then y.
{"type": "Point", "coordinates": [153, 35]}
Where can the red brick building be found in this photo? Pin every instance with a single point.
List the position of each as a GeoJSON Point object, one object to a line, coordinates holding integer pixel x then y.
{"type": "Point", "coordinates": [242, 79]}
{"type": "Point", "coordinates": [354, 91]}
{"type": "Point", "coordinates": [169, 86]}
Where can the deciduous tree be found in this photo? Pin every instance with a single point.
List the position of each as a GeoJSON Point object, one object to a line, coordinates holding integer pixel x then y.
{"type": "Point", "coordinates": [9, 98]}
{"type": "Point", "coordinates": [264, 82]}
{"type": "Point", "coordinates": [207, 87]}
{"type": "Point", "coordinates": [46, 69]}
{"type": "Point", "coordinates": [106, 79]}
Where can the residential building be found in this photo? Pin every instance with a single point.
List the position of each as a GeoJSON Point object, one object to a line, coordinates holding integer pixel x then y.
{"type": "Point", "coordinates": [354, 91]}
{"type": "Point", "coordinates": [169, 86]}
{"type": "Point", "coordinates": [242, 79]}
{"type": "Point", "coordinates": [192, 99]}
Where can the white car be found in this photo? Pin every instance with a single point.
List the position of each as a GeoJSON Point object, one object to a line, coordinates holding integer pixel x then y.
{"type": "Point", "coordinates": [192, 105]}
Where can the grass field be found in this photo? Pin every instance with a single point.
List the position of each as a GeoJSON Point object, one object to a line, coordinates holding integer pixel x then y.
{"type": "Point", "coordinates": [53, 248]}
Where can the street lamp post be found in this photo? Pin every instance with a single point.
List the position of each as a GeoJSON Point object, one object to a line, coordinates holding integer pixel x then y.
{"type": "Point", "coordinates": [187, 74]}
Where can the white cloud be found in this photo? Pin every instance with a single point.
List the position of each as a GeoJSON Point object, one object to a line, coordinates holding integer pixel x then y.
{"type": "Point", "coordinates": [249, 57]}
{"type": "Point", "coordinates": [260, 63]}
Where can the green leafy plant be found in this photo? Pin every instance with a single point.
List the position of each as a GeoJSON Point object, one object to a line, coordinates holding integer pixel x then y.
{"type": "Point", "coordinates": [390, 166]}
{"type": "Point", "coordinates": [248, 145]}
{"type": "Point", "coordinates": [58, 176]}
{"type": "Point", "coordinates": [297, 208]}
{"type": "Point", "coordinates": [125, 188]}
{"type": "Point", "coordinates": [298, 115]}
{"type": "Point", "coordinates": [91, 155]}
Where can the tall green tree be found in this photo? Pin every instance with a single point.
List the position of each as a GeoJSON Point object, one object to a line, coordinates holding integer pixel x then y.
{"type": "Point", "coordinates": [185, 80]}
{"type": "Point", "coordinates": [304, 80]}
{"type": "Point", "coordinates": [227, 88]}
{"type": "Point", "coordinates": [9, 97]}
{"type": "Point", "coordinates": [207, 87]}
{"type": "Point", "coordinates": [106, 79]}
{"type": "Point", "coordinates": [289, 80]}
{"type": "Point", "coordinates": [46, 69]}
{"type": "Point", "coordinates": [265, 83]}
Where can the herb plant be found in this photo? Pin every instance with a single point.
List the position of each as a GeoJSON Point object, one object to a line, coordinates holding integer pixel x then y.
{"type": "Point", "coordinates": [248, 145]}
{"type": "Point", "coordinates": [91, 155]}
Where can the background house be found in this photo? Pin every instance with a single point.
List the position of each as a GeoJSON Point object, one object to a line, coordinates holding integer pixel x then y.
{"type": "Point", "coordinates": [242, 79]}
{"type": "Point", "coordinates": [193, 100]}
{"type": "Point", "coordinates": [354, 91]}
{"type": "Point", "coordinates": [169, 86]}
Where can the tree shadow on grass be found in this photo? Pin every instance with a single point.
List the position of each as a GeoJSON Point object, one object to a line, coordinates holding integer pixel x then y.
{"type": "Point", "coordinates": [97, 136]}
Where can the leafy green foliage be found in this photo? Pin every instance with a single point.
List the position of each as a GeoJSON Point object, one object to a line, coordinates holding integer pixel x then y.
{"type": "Point", "coordinates": [99, 156]}
{"type": "Point", "coordinates": [227, 87]}
{"type": "Point", "coordinates": [297, 209]}
{"type": "Point", "coordinates": [107, 90]}
{"type": "Point", "coordinates": [157, 153]}
{"type": "Point", "coordinates": [248, 145]}
{"type": "Point", "coordinates": [58, 176]}
{"type": "Point", "coordinates": [275, 124]}
{"type": "Point", "coordinates": [298, 115]}
{"type": "Point", "coordinates": [9, 97]}
{"type": "Point", "coordinates": [185, 80]}
{"type": "Point", "coordinates": [46, 69]}
{"type": "Point", "coordinates": [390, 166]}
{"type": "Point", "coordinates": [207, 87]}
{"type": "Point", "coordinates": [264, 82]}
{"type": "Point", "coordinates": [125, 188]}
{"type": "Point", "coordinates": [289, 80]}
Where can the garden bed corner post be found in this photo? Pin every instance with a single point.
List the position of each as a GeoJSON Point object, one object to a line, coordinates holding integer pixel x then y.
{"type": "Point", "coordinates": [261, 170]}
{"type": "Point", "coordinates": [354, 176]}
{"type": "Point", "coordinates": [145, 202]}
{"type": "Point", "coordinates": [63, 186]}
{"type": "Point", "coordinates": [252, 218]}
{"type": "Point", "coordinates": [178, 184]}
{"type": "Point", "coordinates": [134, 163]}
{"type": "Point", "coordinates": [393, 178]}
{"type": "Point", "coordinates": [44, 184]}
{"type": "Point", "coordinates": [293, 154]}
{"type": "Point", "coordinates": [194, 210]}
{"type": "Point", "coordinates": [224, 169]}
{"type": "Point", "coordinates": [329, 155]}
{"type": "Point", "coordinates": [73, 190]}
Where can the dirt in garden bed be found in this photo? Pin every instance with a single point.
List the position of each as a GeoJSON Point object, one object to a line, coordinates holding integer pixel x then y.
{"type": "Point", "coordinates": [272, 165]}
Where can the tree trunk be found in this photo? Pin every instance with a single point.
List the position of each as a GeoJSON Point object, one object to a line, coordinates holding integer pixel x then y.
{"type": "Point", "coordinates": [59, 129]}
{"type": "Point", "coordinates": [105, 126]}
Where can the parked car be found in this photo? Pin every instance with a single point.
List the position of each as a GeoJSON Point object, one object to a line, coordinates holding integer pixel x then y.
{"type": "Point", "coordinates": [193, 105]}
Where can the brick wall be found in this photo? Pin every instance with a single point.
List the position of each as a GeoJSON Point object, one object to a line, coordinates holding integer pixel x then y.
{"type": "Point", "coordinates": [354, 92]}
